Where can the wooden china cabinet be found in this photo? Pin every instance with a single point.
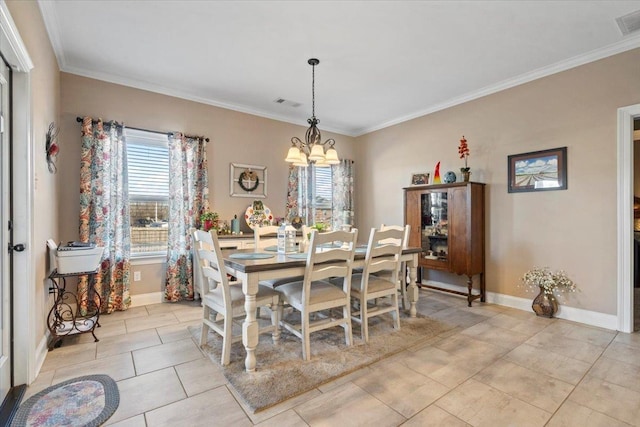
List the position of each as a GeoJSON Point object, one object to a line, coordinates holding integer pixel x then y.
{"type": "Point", "coordinates": [447, 222]}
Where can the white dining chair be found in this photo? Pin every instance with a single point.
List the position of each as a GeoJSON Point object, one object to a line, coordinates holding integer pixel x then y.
{"type": "Point", "coordinates": [222, 302]}
{"type": "Point", "coordinates": [262, 242]}
{"type": "Point", "coordinates": [376, 288]}
{"type": "Point", "coordinates": [315, 294]}
{"type": "Point", "coordinates": [402, 275]}
{"type": "Point", "coordinates": [200, 240]}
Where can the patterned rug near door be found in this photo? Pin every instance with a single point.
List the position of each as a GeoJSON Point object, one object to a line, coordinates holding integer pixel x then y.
{"type": "Point", "coordinates": [282, 374]}
{"type": "Point", "coordinates": [84, 401]}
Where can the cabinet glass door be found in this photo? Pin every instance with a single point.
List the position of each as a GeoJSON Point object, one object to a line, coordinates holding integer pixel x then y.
{"type": "Point", "coordinates": [435, 233]}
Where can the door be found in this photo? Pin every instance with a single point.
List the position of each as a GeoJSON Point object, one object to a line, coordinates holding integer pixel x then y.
{"type": "Point", "coordinates": [5, 233]}
{"type": "Point", "coordinates": [459, 237]}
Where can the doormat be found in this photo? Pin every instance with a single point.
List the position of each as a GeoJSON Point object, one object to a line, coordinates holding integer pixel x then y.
{"type": "Point", "coordinates": [84, 401]}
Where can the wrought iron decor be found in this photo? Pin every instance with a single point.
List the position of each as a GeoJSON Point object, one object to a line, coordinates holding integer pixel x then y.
{"type": "Point", "coordinates": [51, 147]}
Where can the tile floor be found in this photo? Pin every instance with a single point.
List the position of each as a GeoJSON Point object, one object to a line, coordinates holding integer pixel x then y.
{"type": "Point", "coordinates": [496, 367]}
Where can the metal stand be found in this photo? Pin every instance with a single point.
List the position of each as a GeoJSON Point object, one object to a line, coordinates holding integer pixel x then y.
{"type": "Point", "coordinates": [64, 319]}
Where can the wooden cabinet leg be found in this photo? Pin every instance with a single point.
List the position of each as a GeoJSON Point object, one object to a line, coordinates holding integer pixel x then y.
{"type": "Point", "coordinates": [469, 288]}
{"type": "Point", "coordinates": [482, 288]}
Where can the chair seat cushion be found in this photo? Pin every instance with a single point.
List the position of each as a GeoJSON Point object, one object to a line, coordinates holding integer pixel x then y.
{"type": "Point", "coordinates": [274, 283]}
{"type": "Point", "coordinates": [375, 284]}
{"type": "Point", "coordinates": [265, 296]}
{"type": "Point", "coordinates": [321, 292]}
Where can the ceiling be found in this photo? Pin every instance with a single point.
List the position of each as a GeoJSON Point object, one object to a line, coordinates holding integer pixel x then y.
{"type": "Point", "coordinates": [381, 62]}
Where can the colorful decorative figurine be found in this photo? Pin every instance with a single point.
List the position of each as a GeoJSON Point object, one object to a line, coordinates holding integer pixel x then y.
{"type": "Point", "coordinates": [436, 175]}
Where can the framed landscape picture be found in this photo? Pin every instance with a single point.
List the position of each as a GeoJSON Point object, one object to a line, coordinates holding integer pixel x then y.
{"type": "Point", "coordinates": [538, 171]}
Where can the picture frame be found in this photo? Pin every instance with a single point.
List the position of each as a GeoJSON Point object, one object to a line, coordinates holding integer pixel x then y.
{"type": "Point", "coordinates": [419, 178]}
{"type": "Point", "coordinates": [247, 180]}
{"type": "Point", "coordinates": [544, 170]}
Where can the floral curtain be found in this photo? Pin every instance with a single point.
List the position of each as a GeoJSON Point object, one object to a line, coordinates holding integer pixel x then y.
{"type": "Point", "coordinates": [291, 210]}
{"type": "Point", "coordinates": [188, 198]}
{"type": "Point", "coordinates": [342, 177]}
{"type": "Point", "coordinates": [299, 195]}
{"type": "Point", "coordinates": [104, 214]}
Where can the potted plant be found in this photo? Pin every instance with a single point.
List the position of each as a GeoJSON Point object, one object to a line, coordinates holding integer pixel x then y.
{"type": "Point", "coordinates": [209, 220]}
{"type": "Point", "coordinates": [463, 151]}
{"type": "Point", "coordinates": [550, 285]}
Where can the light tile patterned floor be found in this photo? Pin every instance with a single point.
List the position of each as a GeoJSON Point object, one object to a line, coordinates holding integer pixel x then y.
{"type": "Point", "coordinates": [496, 367]}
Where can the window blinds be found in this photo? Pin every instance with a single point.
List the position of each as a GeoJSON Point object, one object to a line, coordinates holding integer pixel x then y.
{"type": "Point", "coordinates": [148, 165]}
{"type": "Point", "coordinates": [323, 192]}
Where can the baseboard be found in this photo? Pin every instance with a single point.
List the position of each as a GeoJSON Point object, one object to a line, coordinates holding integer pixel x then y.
{"type": "Point", "coordinates": [587, 317]}
{"type": "Point", "coordinates": [41, 354]}
{"type": "Point", "coordinates": [42, 350]}
{"type": "Point", "coordinates": [145, 299]}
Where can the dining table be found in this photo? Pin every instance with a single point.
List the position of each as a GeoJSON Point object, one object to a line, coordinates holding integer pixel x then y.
{"type": "Point", "coordinates": [250, 266]}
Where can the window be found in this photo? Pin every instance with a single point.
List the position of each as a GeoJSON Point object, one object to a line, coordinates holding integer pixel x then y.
{"type": "Point", "coordinates": [318, 183]}
{"type": "Point", "coordinates": [148, 176]}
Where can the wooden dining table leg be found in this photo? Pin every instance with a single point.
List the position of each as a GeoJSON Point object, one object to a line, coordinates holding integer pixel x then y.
{"type": "Point", "coordinates": [250, 324]}
{"type": "Point", "coordinates": [412, 290]}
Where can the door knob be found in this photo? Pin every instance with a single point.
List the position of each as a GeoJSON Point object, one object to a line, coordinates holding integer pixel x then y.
{"type": "Point", "coordinates": [17, 248]}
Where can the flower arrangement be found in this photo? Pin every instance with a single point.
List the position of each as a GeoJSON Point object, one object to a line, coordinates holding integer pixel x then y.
{"type": "Point", "coordinates": [551, 282]}
{"type": "Point", "coordinates": [209, 220]}
{"type": "Point", "coordinates": [463, 151]}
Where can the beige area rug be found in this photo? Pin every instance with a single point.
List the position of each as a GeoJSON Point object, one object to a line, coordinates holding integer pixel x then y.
{"type": "Point", "coordinates": [282, 374]}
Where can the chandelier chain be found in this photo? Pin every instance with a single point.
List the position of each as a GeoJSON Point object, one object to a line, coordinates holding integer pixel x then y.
{"type": "Point", "coordinates": [313, 90]}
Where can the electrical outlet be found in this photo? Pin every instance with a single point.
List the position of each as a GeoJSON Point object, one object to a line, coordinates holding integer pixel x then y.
{"type": "Point", "coordinates": [137, 276]}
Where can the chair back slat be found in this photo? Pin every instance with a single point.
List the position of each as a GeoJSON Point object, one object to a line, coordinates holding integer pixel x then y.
{"type": "Point", "coordinates": [321, 272]}
{"type": "Point", "coordinates": [405, 229]}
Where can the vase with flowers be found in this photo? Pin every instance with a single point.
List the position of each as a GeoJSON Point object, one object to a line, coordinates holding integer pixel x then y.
{"type": "Point", "coordinates": [209, 220]}
{"type": "Point", "coordinates": [463, 151]}
{"type": "Point", "coordinates": [550, 285]}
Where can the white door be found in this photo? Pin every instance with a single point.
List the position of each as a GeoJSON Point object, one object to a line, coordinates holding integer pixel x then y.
{"type": "Point", "coordinates": [5, 234]}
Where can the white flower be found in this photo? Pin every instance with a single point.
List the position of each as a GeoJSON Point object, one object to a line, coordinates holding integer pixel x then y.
{"type": "Point", "coordinates": [550, 281]}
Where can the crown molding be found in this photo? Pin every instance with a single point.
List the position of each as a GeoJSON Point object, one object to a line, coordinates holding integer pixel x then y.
{"type": "Point", "coordinates": [137, 84]}
{"type": "Point", "coordinates": [48, 11]}
{"type": "Point", "coordinates": [628, 43]}
{"type": "Point", "coordinates": [50, 18]}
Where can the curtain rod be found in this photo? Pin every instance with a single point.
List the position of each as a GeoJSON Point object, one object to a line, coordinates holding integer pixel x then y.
{"type": "Point", "coordinates": [80, 119]}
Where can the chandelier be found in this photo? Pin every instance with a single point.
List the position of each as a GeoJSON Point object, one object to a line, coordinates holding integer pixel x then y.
{"type": "Point", "coordinates": [312, 150]}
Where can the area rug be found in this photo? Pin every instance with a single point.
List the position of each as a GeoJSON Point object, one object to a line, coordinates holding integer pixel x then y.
{"type": "Point", "coordinates": [84, 401]}
{"type": "Point", "coordinates": [282, 374]}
